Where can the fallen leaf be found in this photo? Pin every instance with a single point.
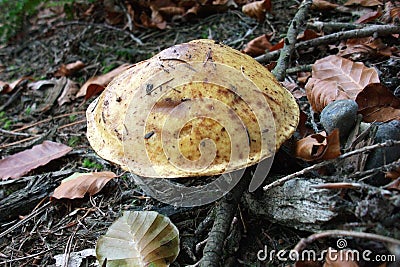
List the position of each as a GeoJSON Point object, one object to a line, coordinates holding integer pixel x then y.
{"type": "Point", "coordinates": [78, 184]}
{"type": "Point", "coordinates": [308, 34]}
{"type": "Point", "coordinates": [391, 13]}
{"type": "Point", "coordinates": [15, 166]}
{"type": "Point", "coordinates": [362, 48]}
{"type": "Point", "coordinates": [74, 259]}
{"type": "Point", "coordinates": [140, 239]}
{"type": "Point", "coordinates": [98, 83]}
{"type": "Point", "coordinates": [323, 5]}
{"type": "Point", "coordinates": [258, 45]}
{"type": "Point", "coordinates": [6, 88]}
{"type": "Point", "coordinates": [377, 103]}
{"type": "Point", "coordinates": [335, 78]}
{"type": "Point", "coordinates": [341, 258]}
{"type": "Point", "coordinates": [366, 3]}
{"type": "Point", "coordinates": [293, 88]}
{"type": "Point", "coordinates": [69, 69]}
{"type": "Point", "coordinates": [394, 174]}
{"type": "Point", "coordinates": [318, 146]}
{"type": "Point", "coordinates": [257, 9]}
{"type": "Point", "coordinates": [68, 93]}
{"type": "Point", "coordinates": [369, 16]}
{"type": "Point", "coordinates": [155, 21]}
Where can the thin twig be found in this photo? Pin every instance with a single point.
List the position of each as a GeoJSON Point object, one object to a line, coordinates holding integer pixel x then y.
{"type": "Point", "coordinates": [304, 242]}
{"type": "Point", "coordinates": [33, 214]}
{"type": "Point", "coordinates": [314, 167]}
{"type": "Point", "coordinates": [379, 30]}
{"type": "Point", "coordinates": [296, 25]}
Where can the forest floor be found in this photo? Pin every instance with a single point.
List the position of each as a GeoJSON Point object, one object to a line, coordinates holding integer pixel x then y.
{"type": "Point", "coordinates": [35, 229]}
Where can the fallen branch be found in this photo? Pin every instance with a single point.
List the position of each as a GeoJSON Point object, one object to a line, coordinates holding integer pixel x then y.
{"type": "Point", "coordinates": [325, 163]}
{"type": "Point", "coordinates": [295, 27]}
{"type": "Point", "coordinates": [378, 30]}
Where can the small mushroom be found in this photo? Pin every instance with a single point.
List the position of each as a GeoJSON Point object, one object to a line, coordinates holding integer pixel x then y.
{"type": "Point", "coordinates": [195, 109]}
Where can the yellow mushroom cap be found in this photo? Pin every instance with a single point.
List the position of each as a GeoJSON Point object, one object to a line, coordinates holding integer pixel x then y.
{"type": "Point", "coordinates": [195, 109]}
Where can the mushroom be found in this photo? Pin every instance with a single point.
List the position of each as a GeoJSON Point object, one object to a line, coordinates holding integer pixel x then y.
{"type": "Point", "coordinates": [195, 109]}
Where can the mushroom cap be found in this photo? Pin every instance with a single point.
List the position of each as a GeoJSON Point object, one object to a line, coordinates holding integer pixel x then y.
{"type": "Point", "coordinates": [195, 109]}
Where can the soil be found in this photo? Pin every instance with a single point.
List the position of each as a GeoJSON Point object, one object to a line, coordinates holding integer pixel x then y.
{"type": "Point", "coordinates": [74, 225]}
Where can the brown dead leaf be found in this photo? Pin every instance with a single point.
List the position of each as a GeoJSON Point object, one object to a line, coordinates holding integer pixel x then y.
{"type": "Point", "coordinates": [155, 21]}
{"type": "Point", "coordinates": [258, 45]}
{"type": "Point", "coordinates": [15, 166]}
{"type": "Point", "coordinates": [335, 78]}
{"type": "Point", "coordinates": [296, 90]}
{"type": "Point", "coordinates": [78, 184]}
{"type": "Point", "coordinates": [6, 88]}
{"type": "Point", "coordinates": [308, 34]}
{"type": "Point", "coordinates": [369, 16]}
{"type": "Point", "coordinates": [377, 103]}
{"type": "Point", "coordinates": [365, 3]}
{"type": "Point", "coordinates": [69, 69]}
{"type": "Point", "coordinates": [394, 175]}
{"type": "Point", "coordinates": [362, 48]}
{"type": "Point", "coordinates": [68, 93]}
{"type": "Point", "coordinates": [257, 9]}
{"type": "Point", "coordinates": [341, 258]}
{"type": "Point", "coordinates": [318, 146]}
{"type": "Point", "coordinates": [97, 84]}
{"type": "Point", "coordinates": [323, 5]}
{"type": "Point", "coordinates": [391, 13]}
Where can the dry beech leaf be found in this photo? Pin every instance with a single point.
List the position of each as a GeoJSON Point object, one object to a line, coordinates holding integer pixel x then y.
{"type": "Point", "coordinates": [341, 258]}
{"type": "Point", "coordinates": [318, 146]}
{"type": "Point", "coordinates": [69, 69]}
{"type": "Point", "coordinates": [377, 103]}
{"type": "Point", "coordinates": [78, 184]}
{"type": "Point", "coordinates": [257, 9]}
{"type": "Point", "coordinates": [98, 83]}
{"type": "Point", "coordinates": [258, 45]}
{"type": "Point", "coordinates": [15, 166]}
{"type": "Point", "coordinates": [323, 5]}
{"type": "Point", "coordinates": [6, 88]}
{"type": "Point", "coordinates": [364, 47]}
{"type": "Point", "coordinates": [139, 239]}
{"type": "Point", "coordinates": [394, 174]}
{"type": "Point", "coordinates": [370, 16]}
{"type": "Point", "coordinates": [335, 78]}
{"type": "Point", "coordinates": [365, 3]}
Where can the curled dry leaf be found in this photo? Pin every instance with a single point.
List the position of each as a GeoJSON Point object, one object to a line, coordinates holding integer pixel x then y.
{"type": "Point", "coordinates": [377, 103]}
{"type": "Point", "coordinates": [69, 69]}
{"type": "Point", "coordinates": [15, 166]}
{"type": "Point", "coordinates": [257, 9]}
{"type": "Point", "coordinates": [68, 93]}
{"type": "Point", "coordinates": [6, 88]}
{"type": "Point", "coordinates": [358, 48]}
{"type": "Point", "coordinates": [335, 78]}
{"type": "Point", "coordinates": [365, 3]}
{"type": "Point", "coordinates": [394, 174]}
{"type": "Point", "coordinates": [370, 16]}
{"type": "Point", "coordinates": [97, 84]}
{"type": "Point", "coordinates": [139, 238]}
{"type": "Point", "coordinates": [78, 184]}
{"type": "Point", "coordinates": [323, 5]}
{"type": "Point", "coordinates": [258, 45]}
{"type": "Point", "coordinates": [319, 146]}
